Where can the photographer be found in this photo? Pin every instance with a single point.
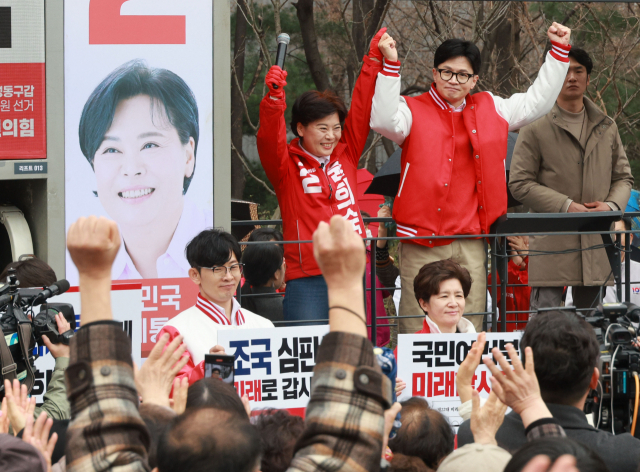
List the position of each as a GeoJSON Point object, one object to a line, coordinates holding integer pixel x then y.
{"type": "Point", "coordinates": [566, 352]}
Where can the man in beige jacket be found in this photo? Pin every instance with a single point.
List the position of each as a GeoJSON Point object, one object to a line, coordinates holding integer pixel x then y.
{"type": "Point", "coordinates": [571, 160]}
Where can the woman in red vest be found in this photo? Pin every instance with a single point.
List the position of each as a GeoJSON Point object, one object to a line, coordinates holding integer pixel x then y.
{"type": "Point", "coordinates": [314, 175]}
{"type": "Point", "coordinates": [454, 147]}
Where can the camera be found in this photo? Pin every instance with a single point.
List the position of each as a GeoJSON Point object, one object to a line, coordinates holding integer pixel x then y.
{"type": "Point", "coordinates": [21, 328]}
{"type": "Point", "coordinates": [614, 402]}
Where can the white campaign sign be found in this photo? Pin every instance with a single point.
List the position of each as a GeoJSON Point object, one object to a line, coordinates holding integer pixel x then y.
{"type": "Point", "coordinates": [126, 304]}
{"type": "Point", "coordinates": [274, 366]}
{"type": "Point", "coordinates": [429, 363]}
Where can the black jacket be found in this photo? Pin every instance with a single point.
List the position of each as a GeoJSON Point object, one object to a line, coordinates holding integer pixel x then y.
{"type": "Point", "coordinates": [621, 452]}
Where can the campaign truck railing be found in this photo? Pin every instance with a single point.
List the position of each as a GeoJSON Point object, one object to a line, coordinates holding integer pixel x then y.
{"type": "Point", "coordinates": [518, 224]}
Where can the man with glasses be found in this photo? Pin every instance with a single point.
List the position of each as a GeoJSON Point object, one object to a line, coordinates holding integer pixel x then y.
{"type": "Point", "coordinates": [214, 257]}
{"type": "Point", "coordinates": [454, 147]}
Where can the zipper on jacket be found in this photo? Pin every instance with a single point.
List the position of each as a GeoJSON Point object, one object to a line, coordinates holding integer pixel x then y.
{"type": "Point", "coordinates": [330, 187]}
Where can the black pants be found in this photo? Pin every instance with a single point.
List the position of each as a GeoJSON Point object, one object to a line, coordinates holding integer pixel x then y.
{"type": "Point", "coordinates": [547, 297]}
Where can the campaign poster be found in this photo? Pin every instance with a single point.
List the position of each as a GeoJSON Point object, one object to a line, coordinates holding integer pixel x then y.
{"type": "Point", "coordinates": [139, 138]}
{"type": "Point", "coordinates": [126, 304]}
{"type": "Point", "coordinates": [274, 366]}
{"type": "Point", "coordinates": [22, 80]}
{"type": "Point", "coordinates": [429, 363]}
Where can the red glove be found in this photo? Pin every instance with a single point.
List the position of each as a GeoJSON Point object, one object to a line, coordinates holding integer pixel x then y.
{"type": "Point", "coordinates": [276, 76]}
{"type": "Point", "coordinates": [374, 51]}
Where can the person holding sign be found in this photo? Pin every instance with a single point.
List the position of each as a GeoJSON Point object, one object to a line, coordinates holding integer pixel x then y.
{"type": "Point", "coordinates": [314, 176]}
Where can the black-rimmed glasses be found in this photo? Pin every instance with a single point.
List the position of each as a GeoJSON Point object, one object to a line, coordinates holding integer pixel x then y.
{"type": "Point", "coordinates": [221, 271]}
{"type": "Point", "coordinates": [461, 77]}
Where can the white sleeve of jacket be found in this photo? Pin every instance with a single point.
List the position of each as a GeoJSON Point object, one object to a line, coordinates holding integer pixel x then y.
{"type": "Point", "coordinates": [390, 114]}
{"type": "Point", "coordinates": [523, 108]}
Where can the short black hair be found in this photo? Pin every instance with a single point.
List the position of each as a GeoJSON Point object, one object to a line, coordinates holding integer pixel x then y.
{"type": "Point", "coordinates": [583, 58]}
{"type": "Point", "coordinates": [628, 223]}
{"type": "Point", "coordinates": [127, 81]}
{"type": "Point", "coordinates": [266, 234]}
{"type": "Point", "coordinates": [209, 440]}
{"type": "Point", "coordinates": [31, 272]}
{"type": "Point", "coordinates": [261, 261]}
{"type": "Point", "coordinates": [279, 430]}
{"type": "Point", "coordinates": [313, 105]}
{"type": "Point", "coordinates": [565, 352]}
{"type": "Point", "coordinates": [213, 393]}
{"type": "Point", "coordinates": [157, 418]}
{"type": "Point", "coordinates": [457, 47]}
{"type": "Point", "coordinates": [586, 459]}
{"type": "Point", "coordinates": [212, 247]}
{"type": "Point", "coordinates": [425, 433]}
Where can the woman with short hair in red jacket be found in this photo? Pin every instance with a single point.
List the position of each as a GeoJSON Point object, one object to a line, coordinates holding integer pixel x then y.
{"type": "Point", "coordinates": [314, 175]}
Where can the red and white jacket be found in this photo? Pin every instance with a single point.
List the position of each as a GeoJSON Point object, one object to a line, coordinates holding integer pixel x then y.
{"type": "Point", "coordinates": [424, 127]}
{"type": "Point", "coordinates": [199, 326]}
{"type": "Point", "coordinates": [307, 191]}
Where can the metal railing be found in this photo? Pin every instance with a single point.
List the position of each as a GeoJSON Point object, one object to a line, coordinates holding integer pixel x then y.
{"type": "Point", "coordinates": [498, 254]}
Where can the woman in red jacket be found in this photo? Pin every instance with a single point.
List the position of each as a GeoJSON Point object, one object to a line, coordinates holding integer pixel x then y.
{"type": "Point", "coordinates": [314, 176]}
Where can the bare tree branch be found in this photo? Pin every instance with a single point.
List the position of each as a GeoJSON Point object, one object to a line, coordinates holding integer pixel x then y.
{"type": "Point", "coordinates": [304, 11]}
{"type": "Point", "coordinates": [248, 169]}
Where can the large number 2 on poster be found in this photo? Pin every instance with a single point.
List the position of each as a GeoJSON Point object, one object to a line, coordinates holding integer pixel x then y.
{"type": "Point", "coordinates": [107, 26]}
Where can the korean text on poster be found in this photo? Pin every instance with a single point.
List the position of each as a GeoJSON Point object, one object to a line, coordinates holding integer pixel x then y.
{"type": "Point", "coordinates": [429, 363]}
{"type": "Point", "coordinates": [274, 366]}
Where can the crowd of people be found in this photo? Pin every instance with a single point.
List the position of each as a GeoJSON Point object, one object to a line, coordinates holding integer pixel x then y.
{"type": "Point", "coordinates": [100, 413]}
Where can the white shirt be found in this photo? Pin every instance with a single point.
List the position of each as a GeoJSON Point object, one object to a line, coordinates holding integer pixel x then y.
{"type": "Point", "coordinates": [464, 325]}
{"type": "Point", "coordinates": [610, 294]}
{"type": "Point", "coordinates": [322, 160]}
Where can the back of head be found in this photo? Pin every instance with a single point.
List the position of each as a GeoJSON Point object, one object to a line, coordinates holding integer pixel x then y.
{"type": "Point", "coordinates": [425, 433]}
{"type": "Point", "coordinates": [32, 272]}
{"type": "Point", "coordinates": [279, 430]}
{"type": "Point", "coordinates": [214, 393]}
{"type": "Point", "coordinates": [212, 247]}
{"type": "Point", "coordinates": [209, 440]}
{"type": "Point", "coordinates": [18, 456]}
{"type": "Point", "coordinates": [565, 351]}
{"type": "Point", "coordinates": [314, 105]}
{"type": "Point", "coordinates": [266, 234]}
{"type": "Point", "coordinates": [157, 418]}
{"type": "Point", "coordinates": [261, 261]}
{"type": "Point", "coordinates": [457, 47]}
{"type": "Point", "coordinates": [402, 463]}
{"type": "Point", "coordinates": [586, 459]}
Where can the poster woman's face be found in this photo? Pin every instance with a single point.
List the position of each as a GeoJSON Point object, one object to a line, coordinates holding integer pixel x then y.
{"type": "Point", "coordinates": [141, 164]}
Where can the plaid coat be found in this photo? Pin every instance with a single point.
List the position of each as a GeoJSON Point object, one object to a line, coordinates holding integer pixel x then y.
{"type": "Point", "coordinates": [344, 421]}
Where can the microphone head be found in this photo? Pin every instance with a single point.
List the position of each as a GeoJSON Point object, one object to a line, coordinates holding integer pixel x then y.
{"type": "Point", "coordinates": [283, 38]}
{"type": "Point", "coordinates": [63, 285]}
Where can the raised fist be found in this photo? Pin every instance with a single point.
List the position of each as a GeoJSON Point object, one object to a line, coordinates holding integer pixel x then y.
{"type": "Point", "coordinates": [276, 76]}
{"type": "Point", "coordinates": [374, 52]}
{"type": "Point", "coordinates": [388, 49]}
{"type": "Point", "coordinates": [559, 34]}
{"type": "Point", "coordinates": [93, 244]}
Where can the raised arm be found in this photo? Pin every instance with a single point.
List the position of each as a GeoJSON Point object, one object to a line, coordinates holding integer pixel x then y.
{"type": "Point", "coordinates": [523, 108]}
{"type": "Point", "coordinates": [356, 126]}
{"type": "Point", "coordinates": [106, 429]}
{"type": "Point", "coordinates": [272, 135]}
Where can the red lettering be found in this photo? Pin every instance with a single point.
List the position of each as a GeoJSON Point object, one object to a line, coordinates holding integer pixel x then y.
{"type": "Point", "coordinates": [258, 390]}
{"type": "Point", "coordinates": [429, 385]}
{"type": "Point", "coordinates": [450, 383]}
{"type": "Point", "coordinates": [484, 385]}
{"type": "Point", "coordinates": [249, 389]}
{"type": "Point", "coordinates": [107, 26]}
{"type": "Point", "coordinates": [438, 384]}
{"type": "Point", "coordinates": [418, 385]}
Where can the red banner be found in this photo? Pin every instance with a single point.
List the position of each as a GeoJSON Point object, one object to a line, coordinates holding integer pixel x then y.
{"type": "Point", "coordinates": [22, 111]}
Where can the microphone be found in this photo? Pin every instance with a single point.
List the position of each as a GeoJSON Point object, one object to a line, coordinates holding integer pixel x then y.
{"type": "Point", "coordinates": [283, 41]}
{"type": "Point", "coordinates": [59, 287]}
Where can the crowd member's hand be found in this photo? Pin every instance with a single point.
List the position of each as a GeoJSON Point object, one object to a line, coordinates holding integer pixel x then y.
{"type": "Point", "coordinates": [577, 208]}
{"type": "Point", "coordinates": [276, 76]}
{"type": "Point", "coordinates": [217, 349]}
{"type": "Point", "coordinates": [38, 436]}
{"type": "Point", "coordinates": [340, 254]}
{"type": "Point", "coordinates": [246, 404]}
{"type": "Point", "coordinates": [467, 369]}
{"type": "Point", "coordinates": [541, 463]}
{"type": "Point", "coordinates": [155, 378]}
{"type": "Point", "coordinates": [559, 33]}
{"type": "Point", "coordinates": [520, 249]}
{"type": "Point", "coordinates": [93, 244]}
{"type": "Point", "coordinates": [518, 388]}
{"type": "Point", "coordinates": [19, 405]}
{"type": "Point", "coordinates": [389, 417]}
{"type": "Point", "coordinates": [4, 417]}
{"type": "Point", "coordinates": [383, 212]}
{"type": "Point", "coordinates": [374, 51]}
{"type": "Point", "coordinates": [486, 420]}
{"type": "Point", "coordinates": [58, 350]}
{"type": "Point", "coordinates": [180, 391]}
{"type": "Point", "coordinates": [388, 49]}
{"type": "Point", "coordinates": [597, 206]}
{"type": "Point", "coordinates": [400, 386]}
